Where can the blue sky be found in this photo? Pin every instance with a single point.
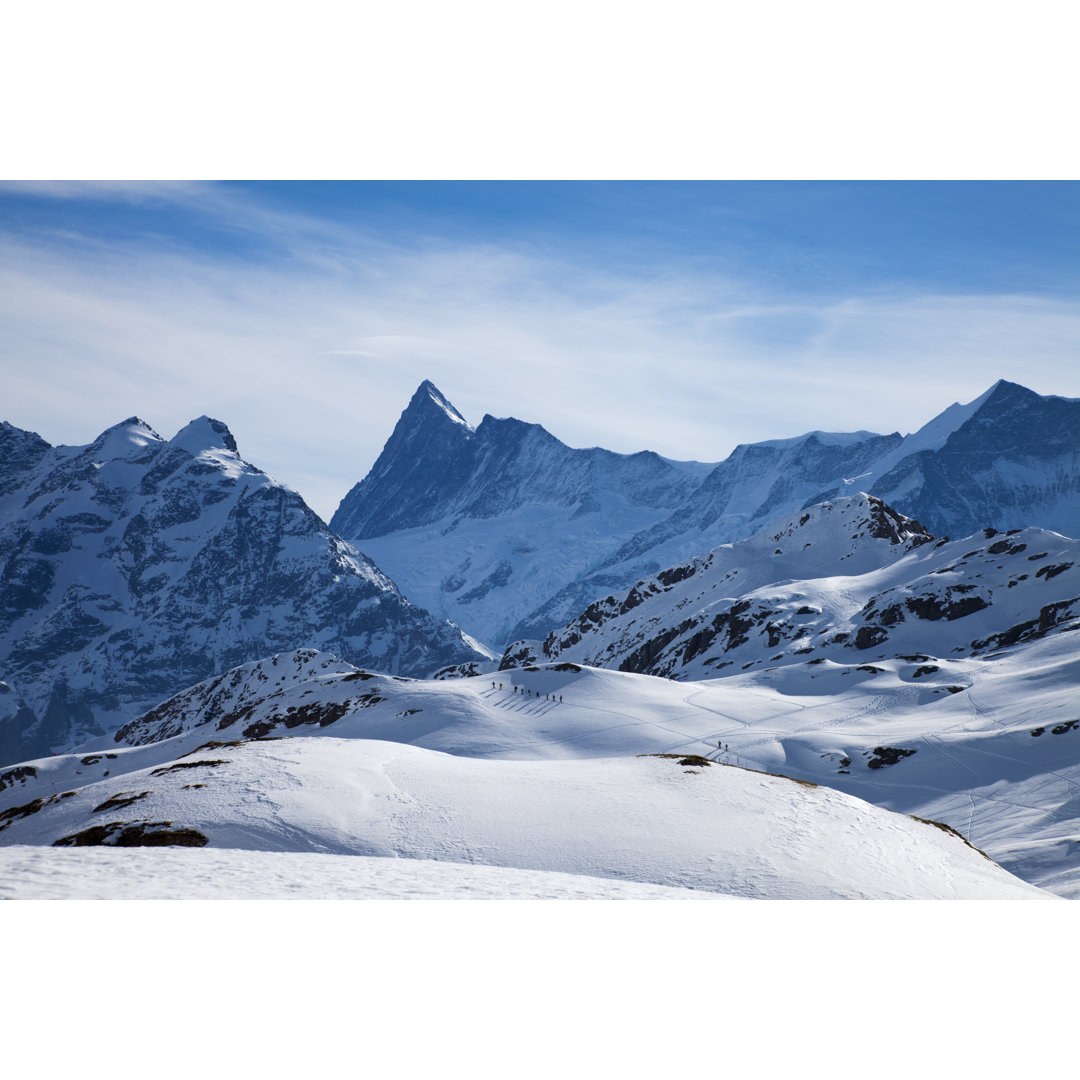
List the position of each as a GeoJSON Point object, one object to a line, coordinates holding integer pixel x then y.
{"type": "Point", "coordinates": [680, 317]}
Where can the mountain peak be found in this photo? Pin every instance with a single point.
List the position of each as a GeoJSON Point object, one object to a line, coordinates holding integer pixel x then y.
{"type": "Point", "coordinates": [430, 403]}
{"type": "Point", "coordinates": [418, 465]}
{"type": "Point", "coordinates": [119, 440]}
{"type": "Point", "coordinates": [1004, 391]}
{"type": "Point", "coordinates": [205, 433]}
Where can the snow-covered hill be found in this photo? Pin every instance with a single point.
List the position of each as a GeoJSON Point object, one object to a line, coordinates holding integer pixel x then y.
{"type": "Point", "coordinates": [510, 533]}
{"type": "Point", "coordinates": [999, 761]}
{"type": "Point", "coordinates": [135, 566]}
{"type": "Point", "coordinates": [676, 821]}
{"type": "Point", "coordinates": [848, 581]}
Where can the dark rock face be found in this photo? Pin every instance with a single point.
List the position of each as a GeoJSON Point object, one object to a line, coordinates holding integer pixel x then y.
{"type": "Point", "coordinates": [20, 451]}
{"type": "Point", "coordinates": [15, 718]}
{"type": "Point", "coordinates": [134, 567]}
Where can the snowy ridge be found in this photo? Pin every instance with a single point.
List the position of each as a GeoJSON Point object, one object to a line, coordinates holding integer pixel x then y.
{"type": "Point", "coordinates": [134, 566]}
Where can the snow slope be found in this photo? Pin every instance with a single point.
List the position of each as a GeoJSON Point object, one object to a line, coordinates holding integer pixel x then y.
{"type": "Point", "coordinates": [134, 566]}
{"type": "Point", "coordinates": [176, 873]}
{"type": "Point", "coordinates": [671, 821]}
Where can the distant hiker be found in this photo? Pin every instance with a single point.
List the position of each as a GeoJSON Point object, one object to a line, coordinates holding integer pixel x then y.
{"type": "Point", "coordinates": [560, 698]}
{"type": "Point", "coordinates": [500, 686]}
{"type": "Point", "coordinates": [492, 686]}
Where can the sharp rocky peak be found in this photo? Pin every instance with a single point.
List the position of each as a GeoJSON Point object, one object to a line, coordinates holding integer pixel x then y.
{"type": "Point", "coordinates": [429, 403]}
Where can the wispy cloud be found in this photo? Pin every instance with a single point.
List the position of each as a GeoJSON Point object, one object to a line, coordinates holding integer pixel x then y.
{"type": "Point", "coordinates": [134, 191]}
{"type": "Point", "coordinates": [311, 355]}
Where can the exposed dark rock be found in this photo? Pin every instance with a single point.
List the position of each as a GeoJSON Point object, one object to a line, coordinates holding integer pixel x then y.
{"type": "Point", "coordinates": [121, 799]}
{"type": "Point", "coordinates": [933, 607]}
{"type": "Point", "coordinates": [13, 813]}
{"type": "Point", "coordinates": [1052, 571]}
{"type": "Point", "coordinates": [869, 636]}
{"type": "Point", "coordinates": [143, 834]}
{"type": "Point", "coordinates": [887, 755]}
{"type": "Point", "coordinates": [1050, 617]}
{"type": "Point", "coordinates": [177, 766]}
{"type": "Point", "coordinates": [18, 775]}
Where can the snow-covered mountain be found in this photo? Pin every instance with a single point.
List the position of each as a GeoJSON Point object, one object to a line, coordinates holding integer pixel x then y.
{"type": "Point", "coordinates": [1013, 462]}
{"type": "Point", "coordinates": [509, 533]}
{"type": "Point", "coordinates": [135, 566]}
{"type": "Point", "coordinates": [849, 578]}
{"type": "Point", "coordinates": [484, 524]}
{"type": "Point", "coordinates": [302, 769]}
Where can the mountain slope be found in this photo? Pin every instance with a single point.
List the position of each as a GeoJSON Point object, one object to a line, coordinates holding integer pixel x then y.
{"type": "Point", "coordinates": [134, 566]}
{"type": "Point", "coordinates": [847, 579]}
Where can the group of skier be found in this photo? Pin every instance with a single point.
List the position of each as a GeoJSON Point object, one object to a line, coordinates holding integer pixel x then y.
{"type": "Point", "coordinates": [529, 693]}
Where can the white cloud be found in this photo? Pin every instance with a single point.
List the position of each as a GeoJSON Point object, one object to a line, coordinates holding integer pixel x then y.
{"type": "Point", "coordinates": [311, 358]}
